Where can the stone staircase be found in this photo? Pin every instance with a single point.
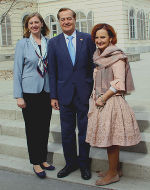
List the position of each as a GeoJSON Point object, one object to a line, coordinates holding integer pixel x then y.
{"type": "Point", "coordinates": [135, 161]}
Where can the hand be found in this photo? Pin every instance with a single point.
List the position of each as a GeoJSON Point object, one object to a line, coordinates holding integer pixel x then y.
{"type": "Point", "coordinates": [21, 103]}
{"type": "Point", "coordinates": [99, 102]}
{"type": "Point", "coordinates": [54, 104]}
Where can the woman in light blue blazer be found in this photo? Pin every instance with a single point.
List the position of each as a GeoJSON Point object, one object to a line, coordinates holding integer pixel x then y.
{"type": "Point", "coordinates": [31, 89]}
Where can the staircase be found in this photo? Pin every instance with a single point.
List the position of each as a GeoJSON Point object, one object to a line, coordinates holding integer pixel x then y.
{"type": "Point", "coordinates": [135, 161]}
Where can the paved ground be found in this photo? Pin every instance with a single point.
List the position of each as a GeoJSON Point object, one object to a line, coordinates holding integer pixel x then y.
{"type": "Point", "coordinates": [15, 181]}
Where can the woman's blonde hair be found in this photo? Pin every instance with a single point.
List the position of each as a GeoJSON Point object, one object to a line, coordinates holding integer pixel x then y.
{"type": "Point", "coordinates": [44, 31]}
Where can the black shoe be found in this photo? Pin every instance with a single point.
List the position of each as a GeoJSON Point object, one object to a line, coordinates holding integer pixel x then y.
{"type": "Point", "coordinates": [41, 175]}
{"type": "Point", "coordinates": [66, 171]}
{"type": "Point", "coordinates": [85, 173]}
{"type": "Point", "coordinates": [51, 167]}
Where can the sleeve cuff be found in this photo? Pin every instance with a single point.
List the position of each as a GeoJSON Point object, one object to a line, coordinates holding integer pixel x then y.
{"type": "Point", "coordinates": [113, 89]}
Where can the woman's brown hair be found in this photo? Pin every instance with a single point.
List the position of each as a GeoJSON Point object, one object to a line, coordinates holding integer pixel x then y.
{"type": "Point", "coordinates": [44, 31]}
{"type": "Point", "coordinates": [111, 32]}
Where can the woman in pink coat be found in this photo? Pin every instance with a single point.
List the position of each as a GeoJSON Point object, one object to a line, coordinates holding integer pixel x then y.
{"type": "Point", "coordinates": [111, 122]}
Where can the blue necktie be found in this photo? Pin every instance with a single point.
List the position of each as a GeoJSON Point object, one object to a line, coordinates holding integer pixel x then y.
{"type": "Point", "coordinates": [71, 49]}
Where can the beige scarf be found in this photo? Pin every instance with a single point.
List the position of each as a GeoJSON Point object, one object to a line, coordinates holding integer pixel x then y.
{"type": "Point", "coordinates": [104, 75]}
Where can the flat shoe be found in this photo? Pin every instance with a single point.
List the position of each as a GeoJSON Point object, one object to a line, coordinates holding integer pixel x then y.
{"type": "Point", "coordinates": [113, 180]}
{"type": "Point", "coordinates": [48, 167]}
{"type": "Point", "coordinates": [41, 175]}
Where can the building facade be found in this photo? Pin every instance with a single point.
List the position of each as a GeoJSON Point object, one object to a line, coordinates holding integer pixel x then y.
{"type": "Point", "coordinates": [130, 18]}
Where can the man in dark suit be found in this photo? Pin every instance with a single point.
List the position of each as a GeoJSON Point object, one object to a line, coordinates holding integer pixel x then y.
{"type": "Point", "coordinates": [71, 80]}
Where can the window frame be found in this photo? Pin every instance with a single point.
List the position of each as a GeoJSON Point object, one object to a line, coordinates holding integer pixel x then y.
{"type": "Point", "coordinates": [6, 24]}
{"type": "Point", "coordinates": [132, 24]}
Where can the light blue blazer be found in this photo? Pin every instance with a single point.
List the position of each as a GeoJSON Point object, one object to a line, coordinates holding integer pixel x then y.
{"type": "Point", "coordinates": [26, 77]}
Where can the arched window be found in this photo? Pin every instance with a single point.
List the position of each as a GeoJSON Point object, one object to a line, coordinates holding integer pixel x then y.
{"type": "Point", "coordinates": [83, 23]}
{"type": "Point", "coordinates": [6, 31]}
{"type": "Point", "coordinates": [52, 24]}
{"type": "Point", "coordinates": [141, 25]}
{"type": "Point", "coordinates": [132, 23]}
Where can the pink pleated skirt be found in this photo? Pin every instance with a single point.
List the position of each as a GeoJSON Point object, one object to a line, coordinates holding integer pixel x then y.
{"type": "Point", "coordinates": [115, 124]}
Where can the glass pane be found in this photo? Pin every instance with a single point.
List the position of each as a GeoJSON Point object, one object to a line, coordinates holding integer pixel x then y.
{"type": "Point", "coordinates": [89, 16]}
{"type": "Point", "coordinates": [83, 24]}
{"type": "Point", "coordinates": [131, 13]}
{"type": "Point", "coordinates": [52, 18]}
{"type": "Point", "coordinates": [89, 26]}
{"type": "Point", "coordinates": [77, 25]}
{"type": "Point", "coordinates": [9, 35]}
{"type": "Point", "coordinates": [54, 27]}
{"type": "Point", "coordinates": [77, 15]}
{"type": "Point", "coordinates": [59, 30]}
{"type": "Point", "coordinates": [54, 33]}
{"type": "Point", "coordinates": [3, 33]}
{"type": "Point", "coordinates": [82, 15]}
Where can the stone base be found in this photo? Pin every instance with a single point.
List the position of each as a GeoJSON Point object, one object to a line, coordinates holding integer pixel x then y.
{"type": "Point", "coordinates": [133, 57]}
{"type": "Point", "coordinates": [6, 57]}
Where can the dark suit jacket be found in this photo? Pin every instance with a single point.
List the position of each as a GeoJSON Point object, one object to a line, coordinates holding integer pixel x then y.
{"type": "Point", "coordinates": [66, 78]}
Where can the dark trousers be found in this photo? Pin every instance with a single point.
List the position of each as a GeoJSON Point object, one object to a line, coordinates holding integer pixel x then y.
{"type": "Point", "coordinates": [37, 115]}
{"type": "Point", "coordinates": [69, 114]}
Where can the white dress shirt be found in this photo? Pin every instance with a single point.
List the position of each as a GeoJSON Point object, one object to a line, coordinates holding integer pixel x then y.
{"type": "Point", "coordinates": [73, 40]}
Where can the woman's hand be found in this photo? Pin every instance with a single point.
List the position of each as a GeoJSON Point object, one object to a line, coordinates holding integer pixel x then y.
{"type": "Point", "coordinates": [21, 103]}
{"type": "Point", "coordinates": [99, 102]}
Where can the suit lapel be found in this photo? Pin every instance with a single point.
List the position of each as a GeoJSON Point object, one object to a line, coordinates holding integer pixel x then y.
{"type": "Point", "coordinates": [79, 42]}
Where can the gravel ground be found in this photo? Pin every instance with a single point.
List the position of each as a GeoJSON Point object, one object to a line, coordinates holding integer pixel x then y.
{"type": "Point", "coordinates": [6, 75]}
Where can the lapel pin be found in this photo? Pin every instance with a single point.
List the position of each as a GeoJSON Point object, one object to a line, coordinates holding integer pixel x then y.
{"type": "Point", "coordinates": [81, 39]}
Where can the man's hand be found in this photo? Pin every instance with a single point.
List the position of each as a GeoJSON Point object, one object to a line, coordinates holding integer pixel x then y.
{"type": "Point", "coordinates": [21, 103]}
{"type": "Point", "coordinates": [54, 104]}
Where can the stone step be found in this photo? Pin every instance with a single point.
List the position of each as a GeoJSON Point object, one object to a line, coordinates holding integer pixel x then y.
{"type": "Point", "coordinates": [20, 165]}
{"type": "Point", "coordinates": [16, 128]}
{"type": "Point", "coordinates": [6, 65]}
{"type": "Point", "coordinates": [133, 164]}
{"type": "Point", "coordinates": [13, 113]}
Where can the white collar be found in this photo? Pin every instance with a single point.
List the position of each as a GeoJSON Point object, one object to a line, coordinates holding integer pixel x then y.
{"type": "Point", "coordinates": [73, 34]}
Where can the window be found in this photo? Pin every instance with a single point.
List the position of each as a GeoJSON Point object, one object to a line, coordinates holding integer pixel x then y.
{"type": "Point", "coordinates": [52, 24]}
{"type": "Point", "coordinates": [148, 26]}
{"type": "Point", "coordinates": [132, 24]}
{"type": "Point", "coordinates": [141, 28]}
{"type": "Point", "coordinates": [90, 21]}
{"type": "Point", "coordinates": [83, 23]}
{"type": "Point", "coordinates": [6, 31]}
